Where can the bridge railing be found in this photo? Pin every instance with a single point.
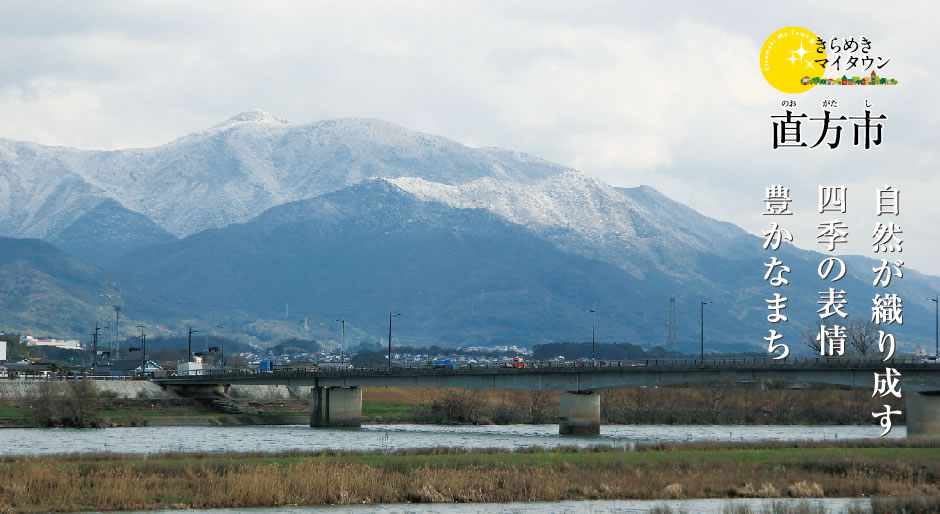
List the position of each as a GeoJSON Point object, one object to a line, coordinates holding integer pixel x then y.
{"type": "Point", "coordinates": [581, 366]}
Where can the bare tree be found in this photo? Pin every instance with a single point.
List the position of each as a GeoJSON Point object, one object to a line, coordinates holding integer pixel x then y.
{"type": "Point", "coordinates": [811, 337]}
{"type": "Point", "coordinates": [46, 405]}
{"type": "Point", "coordinates": [81, 408]}
{"type": "Point", "coordinates": [459, 405]}
{"type": "Point", "coordinates": [75, 405]}
{"type": "Point", "coordinates": [539, 404]}
{"type": "Point", "coordinates": [861, 337]}
{"type": "Point", "coordinates": [712, 396]}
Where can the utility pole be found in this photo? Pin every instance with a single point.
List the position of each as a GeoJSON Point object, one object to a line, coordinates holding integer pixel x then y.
{"type": "Point", "coordinates": [672, 333]}
{"type": "Point", "coordinates": [936, 331]}
{"type": "Point", "coordinates": [704, 303]}
{"type": "Point", "coordinates": [221, 345]}
{"type": "Point", "coordinates": [390, 338]}
{"type": "Point", "coordinates": [143, 347]}
{"type": "Point", "coordinates": [342, 352]}
{"type": "Point", "coordinates": [191, 332]}
{"type": "Point", "coordinates": [117, 331]}
{"type": "Point", "coordinates": [94, 349]}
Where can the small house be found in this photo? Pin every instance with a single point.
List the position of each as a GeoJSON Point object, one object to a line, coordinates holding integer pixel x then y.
{"type": "Point", "coordinates": [132, 367]}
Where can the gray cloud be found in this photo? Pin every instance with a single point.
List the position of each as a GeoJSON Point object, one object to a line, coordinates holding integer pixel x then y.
{"type": "Point", "coordinates": [668, 94]}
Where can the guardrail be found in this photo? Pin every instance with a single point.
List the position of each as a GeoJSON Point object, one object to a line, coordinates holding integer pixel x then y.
{"type": "Point", "coordinates": [553, 367]}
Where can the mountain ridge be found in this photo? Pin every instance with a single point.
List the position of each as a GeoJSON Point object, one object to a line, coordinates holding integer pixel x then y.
{"type": "Point", "coordinates": [265, 206]}
{"type": "Point", "coordinates": [231, 173]}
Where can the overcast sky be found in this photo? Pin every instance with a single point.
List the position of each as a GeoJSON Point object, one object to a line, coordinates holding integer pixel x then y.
{"type": "Point", "coordinates": [668, 94]}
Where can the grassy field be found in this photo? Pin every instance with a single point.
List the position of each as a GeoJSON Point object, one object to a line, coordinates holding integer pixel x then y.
{"type": "Point", "coordinates": [9, 411]}
{"type": "Point", "coordinates": [114, 482]}
{"type": "Point", "coordinates": [11, 416]}
{"type": "Point", "coordinates": [381, 412]}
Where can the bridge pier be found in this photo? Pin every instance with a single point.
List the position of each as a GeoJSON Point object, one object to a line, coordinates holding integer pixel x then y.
{"type": "Point", "coordinates": [923, 414]}
{"type": "Point", "coordinates": [336, 407]}
{"type": "Point", "coordinates": [579, 413]}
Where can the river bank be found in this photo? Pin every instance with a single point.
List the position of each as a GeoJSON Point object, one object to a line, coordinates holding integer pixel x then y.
{"type": "Point", "coordinates": [141, 403]}
{"type": "Point", "coordinates": [445, 475]}
{"type": "Point", "coordinates": [161, 412]}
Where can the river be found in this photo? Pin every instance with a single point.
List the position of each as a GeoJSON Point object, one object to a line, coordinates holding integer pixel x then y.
{"type": "Point", "coordinates": [575, 506]}
{"type": "Point", "coordinates": [277, 438]}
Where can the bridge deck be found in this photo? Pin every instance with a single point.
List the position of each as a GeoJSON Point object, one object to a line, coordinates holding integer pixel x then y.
{"type": "Point", "coordinates": [587, 376]}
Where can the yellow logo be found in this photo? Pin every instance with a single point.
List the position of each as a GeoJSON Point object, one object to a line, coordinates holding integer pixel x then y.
{"type": "Point", "coordinates": [788, 56]}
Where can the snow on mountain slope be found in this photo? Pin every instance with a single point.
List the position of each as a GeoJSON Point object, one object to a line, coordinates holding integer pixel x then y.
{"type": "Point", "coordinates": [233, 171]}
{"type": "Point", "coordinates": [631, 228]}
{"type": "Point", "coordinates": [39, 191]}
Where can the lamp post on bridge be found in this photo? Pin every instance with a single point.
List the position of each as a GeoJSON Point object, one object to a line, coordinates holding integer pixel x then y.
{"type": "Point", "coordinates": [94, 349]}
{"type": "Point", "coordinates": [143, 350]}
{"type": "Point", "coordinates": [221, 345]}
{"type": "Point", "coordinates": [702, 359]}
{"type": "Point", "coordinates": [390, 315]}
{"type": "Point", "coordinates": [593, 319]}
{"type": "Point", "coordinates": [342, 352]}
{"type": "Point", "coordinates": [191, 332]}
{"type": "Point", "coordinates": [936, 333]}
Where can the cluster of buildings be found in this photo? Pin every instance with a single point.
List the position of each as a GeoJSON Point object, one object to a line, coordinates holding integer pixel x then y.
{"type": "Point", "coordinates": [873, 80]}
{"type": "Point", "coordinates": [38, 368]}
{"type": "Point", "coordinates": [29, 368]}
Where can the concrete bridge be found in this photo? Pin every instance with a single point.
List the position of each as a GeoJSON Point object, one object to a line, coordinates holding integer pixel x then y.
{"type": "Point", "coordinates": [336, 394]}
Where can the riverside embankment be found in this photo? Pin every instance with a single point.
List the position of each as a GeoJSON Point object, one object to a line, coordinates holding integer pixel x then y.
{"type": "Point", "coordinates": [140, 402]}
{"type": "Point", "coordinates": [141, 389]}
{"type": "Point", "coordinates": [27, 403]}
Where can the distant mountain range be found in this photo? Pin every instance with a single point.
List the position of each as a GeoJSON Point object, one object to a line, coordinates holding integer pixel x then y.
{"type": "Point", "coordinates": [275, 230]}
{"type": "Point", "coordinates": [232, 172]}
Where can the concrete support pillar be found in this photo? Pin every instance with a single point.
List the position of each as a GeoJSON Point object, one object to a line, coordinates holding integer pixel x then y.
{"type": "Point", "coordinates": [336, 407]}
{"type": "Point", "coordinates": [580, 414]}
{"type": "Point", "coordinates": [923, 414]}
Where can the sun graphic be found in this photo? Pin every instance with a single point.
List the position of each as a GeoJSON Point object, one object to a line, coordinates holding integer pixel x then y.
{"type": "Point", "coordinates": [789, 55]}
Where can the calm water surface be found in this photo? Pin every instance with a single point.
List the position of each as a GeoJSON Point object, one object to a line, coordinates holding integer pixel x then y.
{"type": "Point", "coordinates": [276, 438]}
{"type": "Point", "coordinates": [598, 506]}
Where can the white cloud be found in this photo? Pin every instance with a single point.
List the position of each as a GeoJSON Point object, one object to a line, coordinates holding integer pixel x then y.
{"type": "Point", "coordinates": [668, 94]}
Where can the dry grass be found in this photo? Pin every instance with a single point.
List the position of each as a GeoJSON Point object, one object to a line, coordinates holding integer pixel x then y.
{"type": "Point", "coordinates": [420, 395]}
{"type": "Point", "coordinates": [666, 405]}
{"type": "Point", "coordinates": [116, 482]}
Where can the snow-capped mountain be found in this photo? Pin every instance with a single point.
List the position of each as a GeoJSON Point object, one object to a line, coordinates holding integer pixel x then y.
{"type": "Point", "coordinates": [354, 217]}
{"type": "Point", "coordinates": [636, 228]}
{"type": "Point", "coordinates": [232, 171]}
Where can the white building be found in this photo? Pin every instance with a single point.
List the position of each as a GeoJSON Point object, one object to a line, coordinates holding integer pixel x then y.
{"type": "Point", "coordinates": [55, 343]}
{"type": "Point", "coordinates": [191, 368]}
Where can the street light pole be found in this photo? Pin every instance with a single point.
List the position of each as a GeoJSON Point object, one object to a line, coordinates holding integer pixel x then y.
{"type": "Point", "coordinates": [593, 319]}
{"type": "Point", "coordinates": [143, 358]}
{"type": "Point", "coordinates": [936, 332]}
{"type": "Point", "coordinates": [342, 352]}
{"type": "Point", "coordinates": [390, 338]}
{"type": "Point", "coordinates": [191, 332]}
{"type": "Point", "coordinates": [221, 345]}
{"type": "Point", "coordinates": [704, 303]}
{"type": "Point", "coordinates": [94, 349]}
